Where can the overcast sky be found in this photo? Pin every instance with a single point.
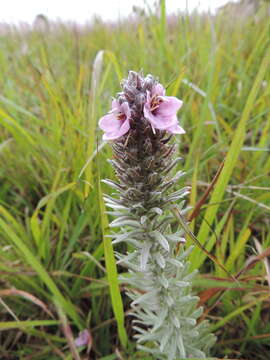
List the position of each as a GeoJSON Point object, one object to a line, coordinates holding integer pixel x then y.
{"type": "Point", "coordinates": [82, 10]}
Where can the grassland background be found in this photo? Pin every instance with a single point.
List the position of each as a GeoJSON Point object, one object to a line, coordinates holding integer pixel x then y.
{"type": "Point", "coordinates": [56, 80]}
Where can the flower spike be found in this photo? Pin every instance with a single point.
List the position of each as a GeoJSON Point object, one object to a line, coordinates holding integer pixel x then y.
{"type": "Point", "coordinates": [165, 313]}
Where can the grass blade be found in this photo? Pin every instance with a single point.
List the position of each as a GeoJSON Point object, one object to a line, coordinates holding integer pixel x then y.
{"type": "Point", "coordinates": [197, 256]}
{"type": "Point", "coordinates": [8, 325]}
{"type": "Point", "coordinates": [112, 274]}
{"type": "Point", "coordinates": [38, 267]}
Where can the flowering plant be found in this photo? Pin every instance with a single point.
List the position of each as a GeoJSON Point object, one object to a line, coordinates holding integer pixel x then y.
{"type": "Point", "coordinates": [158, 109]}
{"type": "Point", "coordinates": [140, 125]}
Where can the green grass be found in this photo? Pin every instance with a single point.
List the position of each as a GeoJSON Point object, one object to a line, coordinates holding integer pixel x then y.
{"type": "Point", "coordinates": [55, 85]}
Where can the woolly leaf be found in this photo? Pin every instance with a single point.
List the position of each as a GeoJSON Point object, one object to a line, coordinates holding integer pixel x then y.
{"type": "Point", "coordinates": [145, 254]}
{"type": "Point", "coordinates": [161, 239]}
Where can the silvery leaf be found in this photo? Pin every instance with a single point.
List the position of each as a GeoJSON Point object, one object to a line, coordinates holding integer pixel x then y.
{"type": "Point", "coordinates": [182, 284]}
{"type": "Point", "coordinates": [164, 281]}
{"type": "Point", "coordinates": [165, 338]}
{"type": "Point", "coordinates": [171, 166]}
{"type": "Point", "coordinates": [131, 223]}
{"type": "Point", "coordinates": [143, 219]}
{"type": "Point", "coordinates": [144, 297]}
{"type": "Point", "coordinates": [160, 318]}
{"type": "Point", "coordinates": [175, 321]}
{"type": "Point", "coordinates": [181, 347]}
{"type": "Point", "coordinates": [161, 239]}
{"type": "Point", "coordinates": [145, 255]}
{"type": "Point", "coordinates": [156, 210]}
{"type": "Point", "coordinates": [121, 218]}
{"type": "Point", "coordinates": [176, 263]}
{"type": "Point", "coordinates": [113, 184]}
{"type": "Point", "coordinates": [160, 260]}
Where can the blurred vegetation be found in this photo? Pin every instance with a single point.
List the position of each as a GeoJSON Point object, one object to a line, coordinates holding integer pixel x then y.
{"type": "Point", "coordinates": [56, 81]}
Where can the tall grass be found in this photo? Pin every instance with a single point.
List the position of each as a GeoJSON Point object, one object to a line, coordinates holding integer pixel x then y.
{"type": "Point", "coordinates": [58, 275]}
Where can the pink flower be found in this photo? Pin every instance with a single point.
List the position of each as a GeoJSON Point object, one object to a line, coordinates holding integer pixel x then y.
{"type": "Point", "coordinates": [160, 110]}
{"type": "Point", "coordinates": [84, 338]}
{"type": "Point", "coordinates": [116, 122]}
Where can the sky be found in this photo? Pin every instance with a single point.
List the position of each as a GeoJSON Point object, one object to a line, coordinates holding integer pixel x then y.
{"type": "Point", "coordinates": [15, 11]}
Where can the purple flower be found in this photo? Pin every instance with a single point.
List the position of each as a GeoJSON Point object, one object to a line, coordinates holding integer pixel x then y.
{"type": "Point", "coordinates": [116, 122]}
{"type": "Point", "coordinates": [160, 110]}
{"type": "Point", "coordinates": [84, 338]}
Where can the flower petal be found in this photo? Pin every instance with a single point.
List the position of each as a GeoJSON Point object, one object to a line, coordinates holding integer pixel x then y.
{"type": "Point", "coordinates": [164, 116]}
{"type": "Point", "coordinates": [122, 130]}
{"type": "Point", "coordinates": [157, 121]}
{"type": "Point", "coordinates": [176, 129]}
{"type": "Point", "coordinates": [169, 106]}
{"type": "Point", "coordinates": [84, 338]}
{"type": "Point", "coordinates": [148, 114]}
{"type": "Point", "coordinates": [115, 104]}
{"type": "Point", "coordinates": [158, 90]}
{"type": "Point", "coordinates": [114, 125]}
{"type": "Point", "coordinates": [124, 108]}
{"type": "Point", "coordinates": [109, 122]}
